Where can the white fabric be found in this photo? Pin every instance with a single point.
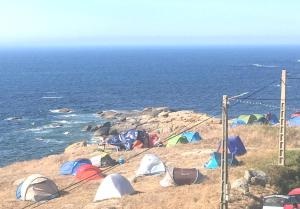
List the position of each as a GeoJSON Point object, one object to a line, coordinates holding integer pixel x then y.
{"type": "Point", "coordinates": [150, 165]}
{"type": "Point", "coordinates": [113, 186]}
{"type": "Point", "coordinates": [168, 179]}
{"type": "Point", "coordinates": [96, 160]}
{"type": "Point", "coordinates": [37, 187]}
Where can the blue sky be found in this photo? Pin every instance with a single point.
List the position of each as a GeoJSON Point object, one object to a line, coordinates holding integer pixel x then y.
{"type": "Point", "coordinates": [142, 22]}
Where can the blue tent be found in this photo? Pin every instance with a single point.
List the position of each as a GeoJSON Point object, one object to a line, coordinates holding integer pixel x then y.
{"type": "Point", "coordinates": [237, 122]}
{"type": "Point", "coordinates": [295, 121]}
{"type": "Point", "coordinates": [71, 167]}
{"type": "Point", "coordinates": [18, 191]}
{"type": "Point", "coordinates": [236, 146]}
{"type": "Point", "coordinates": [192, 136]}
{"type": "Point", "coordinates": [215, 160]}
{"type": "Point", "coordinates": [272, 118]}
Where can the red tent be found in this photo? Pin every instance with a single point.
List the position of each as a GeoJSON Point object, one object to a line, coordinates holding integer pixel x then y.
{"type": "Point", "coordinates": [294, 192]}
{"type": "Point", "coordinates": [88, 172]}
{"type": "Point", "coordinates": [295, 114]}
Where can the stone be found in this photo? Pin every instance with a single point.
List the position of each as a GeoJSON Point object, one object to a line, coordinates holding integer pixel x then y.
{"type": "Point", "coordinates": [240, 185]}
{"type": "Point", "coordinates": [65, 110]}
{"type": "Point", "coordinates": [163, 114]}
{"type": "Point", "coordinates": [75, 146]}
{"type": "Point", "coordinates": [87, 128]}
{"type": "Point", "coordinates": [257, 177]}
{"type": "Point", "coordinates": [102, 131]}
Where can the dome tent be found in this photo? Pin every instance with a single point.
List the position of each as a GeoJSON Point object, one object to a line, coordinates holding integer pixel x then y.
{"type": "Point", "coordinates": [192, 137]}
{"type": "Point", "coordinates": [150, 165]}
{"type": "Point", "coordinates": [37, 188]}
{"type": "Point", "coordinates": [71, 167]}
{"type": "Point", "coordinates": [88, 172]}
{"type": "Point", "coordinates": [177, 139]}
{"type": "Point", "coordinates": [113, 186]}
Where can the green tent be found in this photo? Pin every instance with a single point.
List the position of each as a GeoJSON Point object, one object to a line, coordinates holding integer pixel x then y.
{"type": "Point", "coordinates": [248, 119]}
{"type": "Point", "coordinates": [177, 139]}
{"type": "Point", "coordinates": [260, 118]}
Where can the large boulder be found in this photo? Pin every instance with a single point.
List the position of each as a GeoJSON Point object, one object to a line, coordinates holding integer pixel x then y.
{"type": "Point", "coordinates": [102, 131]}
{"type": "Point", "coordinates": [87, 128]}
{"type": "Point", "coordinates": [257, 177]}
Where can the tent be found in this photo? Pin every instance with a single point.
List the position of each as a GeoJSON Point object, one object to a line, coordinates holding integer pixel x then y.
{"type": "Point", "coordinates": [181, 176]}
{"type": "Point", "coordinates": [192, 136]}
{"type": "Point", "coordinates": [295, 121]}
{"type": "Point", "coordinates": [247, 119]}
{"type": "Point", "coordinates": [236, 146]}
{"type": "Point", "coordinates": [88, 172]}
{"type": "Point", "coordinates": [150, 165]}
{"type": "Point", "coordinates": [272, 118]}
{"type": "Point", "coordinates": [215, 160]}
{"type": "Point", "coordinates": [177, 139]}
{"type": "Point", "coordinates": [103, 160]}
{"type": "Point", "coordinates": [113, 186]}
{"type": "Point", "coordinates": [295, 114]}
{"type": "Point", "coordinates": [260, 118]}
{"type": "Point", "coordinates": [37, 188]}
{"type": "Point", "coordinates": [71, 167]}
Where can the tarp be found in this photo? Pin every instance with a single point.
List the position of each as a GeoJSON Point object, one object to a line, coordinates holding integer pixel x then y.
{"type": "Point", "coordinates": [177, 139]}
{"type": "Point", "coordinates": [113, 186]}
{"type": "Point", "coordinates": [294, 121]}
{"type": "Point", "coordinates": [192, 136]}
{"type": "Point", "coordinates": [236, 146]}
{"type": "Point", "coordinates": [215, 160]}
{"type": "Point", "coordinates": [125, 140]}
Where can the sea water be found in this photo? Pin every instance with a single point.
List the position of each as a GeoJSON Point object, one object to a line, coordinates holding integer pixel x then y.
{"type": "Point", "coordinates": [36, 82]}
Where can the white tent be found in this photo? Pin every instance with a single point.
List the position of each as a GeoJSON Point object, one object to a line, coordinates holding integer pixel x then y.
{"type": "Point", "coordinates": [37, 187]}
{"type": "Point", "coordinates": [113, 186]}
{"type": "Point", "coordinates": [150, 165]}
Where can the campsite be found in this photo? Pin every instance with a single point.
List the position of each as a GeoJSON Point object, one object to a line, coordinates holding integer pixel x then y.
{"type": "Point", "coordinates": [254, 146]}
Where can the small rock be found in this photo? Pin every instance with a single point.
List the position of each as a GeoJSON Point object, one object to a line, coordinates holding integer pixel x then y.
{"type": "Point", "coordinates": [241, 185]}
{"type": "Point", "coordinates": [102, 131]}
{"type": "Point", "coordinates": [65, 110]}
{"type": "Point", "coordinates": [163, 114]}
{"type": "Point", "coordinates": [256, 177]}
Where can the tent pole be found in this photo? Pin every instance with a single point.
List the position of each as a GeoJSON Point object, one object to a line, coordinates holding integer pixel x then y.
{"type": "Point", "coordinates": [224, 161]}
{"type": "Point", "coordinates": [282, 130]}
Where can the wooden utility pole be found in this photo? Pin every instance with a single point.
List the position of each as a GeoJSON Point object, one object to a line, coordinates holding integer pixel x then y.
{"type": "Point", "coordinates": [282, 131]}
{"type": "Point", "coordinates": [224, 161]}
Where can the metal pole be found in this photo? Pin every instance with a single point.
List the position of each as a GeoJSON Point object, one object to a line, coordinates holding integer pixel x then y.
{"type": "Point", "coordinates": [282, 130]}
{"type": "Point", "coordinates": [224, 161]}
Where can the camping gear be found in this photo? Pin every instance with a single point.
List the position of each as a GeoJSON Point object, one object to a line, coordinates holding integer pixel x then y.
{"type": "Point", "coordinates": [260, 119]}
{"type": "Point", "coordinates": [236, 146]}
{"type": "Point", "coordinates": [37, 188]}
{"type": "Point", "coordinates": [113, 186]}
{"type": "Point", "coordinates": [247, 119]}
{"type": "Point", "coordinates": [279, 202]}
{"type": "Point", "coordinates": [71, 167]}
{"type": "Point", "coordinates": [215, 160]}
{"type": "Point", "coordinates": [272, 118]}
{"type": "Point", "coordinates": [181, 176]}
{"type": "Point", "coordinates": [150, 165]}
{"type": "Point", "coordinates": [103, 160]}
{"type": "Point", "coordinates": [153, 139]}
{"type": "Point", "coordinates": [18, 191]}
{"type": "Point", "coordinates": [121, 160]}
{"type": "Point", "coordinates": [125, 140]}
{"type": "Point", "coordinates": [176, 139]}
{"type": "Point", "coordinates": [88, 172]}
{"type": "Point", "coordinates": [295, 114]}
{"type": "Point", "coordinates": [295, 121]}
{"type": "Point", "coordinates": [192, 136]}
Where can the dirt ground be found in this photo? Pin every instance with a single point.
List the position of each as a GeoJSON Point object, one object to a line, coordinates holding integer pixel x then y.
{"type": "Point", "coordinates": [261, 142]}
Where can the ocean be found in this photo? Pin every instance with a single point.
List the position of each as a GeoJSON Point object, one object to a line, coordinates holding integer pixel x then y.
{"type": "Point", "coordinates": [35, 82]}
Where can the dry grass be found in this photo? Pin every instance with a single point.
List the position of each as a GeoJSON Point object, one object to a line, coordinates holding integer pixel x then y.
{"type": "Point", "coordinates": [261, 142]}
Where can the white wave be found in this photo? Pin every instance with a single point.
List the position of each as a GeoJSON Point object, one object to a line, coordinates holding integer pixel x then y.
{"type": "Point", "coordinates": [69, 116]}
{"type": "Point", "coordinates": [52, 125]}
{"type": "Point", "coordinates": [264, 66]}
{"type": "Point", "coordinates": [13, 118]}
{"type": "Point", "coordinates": [62, 122]}
{"type": "Point", "coordinates": [38, 129]}
{"type": "Point", "coordinates": [61, 110]}
{"type": "Point", "coordinates": [52, 97]}
{"type": "Point", "coordinates": [66, 133]}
